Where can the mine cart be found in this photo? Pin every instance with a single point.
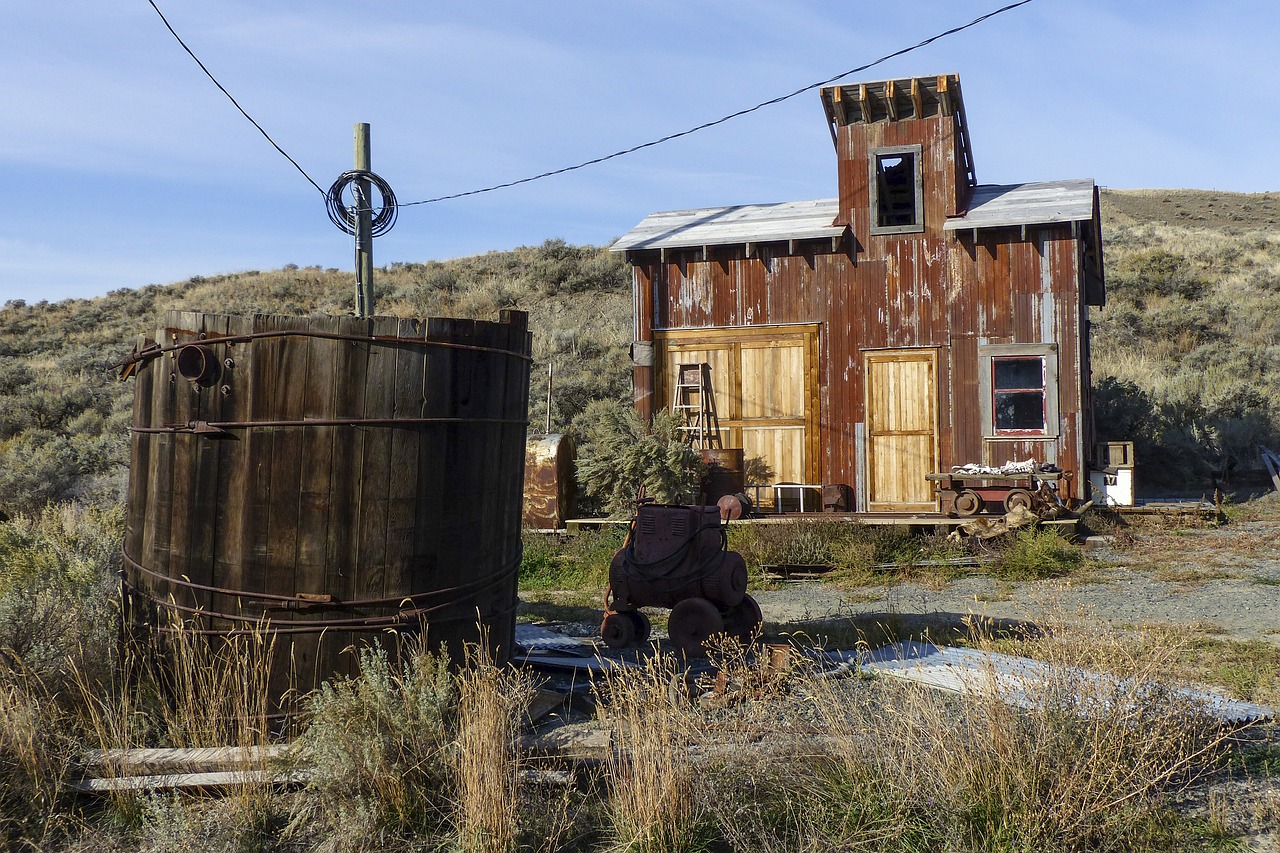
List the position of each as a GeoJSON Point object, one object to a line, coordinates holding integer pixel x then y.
{"type": "Point", "coordinates": [965, 495]}
{"type": "Point", "coordinates": [678, 557]}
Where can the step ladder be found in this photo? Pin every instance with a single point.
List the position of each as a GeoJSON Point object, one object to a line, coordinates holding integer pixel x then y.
{"type": "Point", "coordinates": [695, 402]}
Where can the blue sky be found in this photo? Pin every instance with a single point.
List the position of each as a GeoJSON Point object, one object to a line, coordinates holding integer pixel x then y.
{"type": "Point", "coordinates": [124, 166]}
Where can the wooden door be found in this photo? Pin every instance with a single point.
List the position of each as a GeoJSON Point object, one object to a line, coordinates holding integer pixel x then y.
{"type": "Point", "coordinates": [765, 383]}
{"type": "Point", "coordinates": [902, 429]}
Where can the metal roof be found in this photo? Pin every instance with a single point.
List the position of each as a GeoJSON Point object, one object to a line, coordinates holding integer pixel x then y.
{"type": "Point", "coordinates": [1001, 205]}
{"type": "Point", "coordinates": [744, 223]}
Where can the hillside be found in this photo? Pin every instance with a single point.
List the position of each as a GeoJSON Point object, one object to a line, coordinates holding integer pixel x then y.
{"type": "Point", "coordinates": [1186, 353]}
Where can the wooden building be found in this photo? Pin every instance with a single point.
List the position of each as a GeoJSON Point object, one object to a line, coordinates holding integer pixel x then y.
{"type": "Point", "coordinates": [919, 320]}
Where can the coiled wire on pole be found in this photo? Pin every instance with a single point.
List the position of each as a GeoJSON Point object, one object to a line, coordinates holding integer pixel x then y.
{"type": "Point", "coordinates": [382, 218]}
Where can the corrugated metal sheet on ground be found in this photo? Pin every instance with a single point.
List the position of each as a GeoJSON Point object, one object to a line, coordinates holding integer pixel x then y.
{"type": "Point", "coordinates": [534, 638]}
{"type": "Point", "coordinates": [1026, 682]}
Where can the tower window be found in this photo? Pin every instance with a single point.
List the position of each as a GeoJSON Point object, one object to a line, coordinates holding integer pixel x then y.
{"type": "Point", "coordinates": [897, 193]}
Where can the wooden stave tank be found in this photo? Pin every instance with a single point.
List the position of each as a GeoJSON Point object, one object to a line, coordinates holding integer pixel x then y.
{"type": "Point", "coordinates": [417, 507]}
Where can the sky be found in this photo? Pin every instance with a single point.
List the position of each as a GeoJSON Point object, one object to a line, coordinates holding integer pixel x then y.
{"type": "Point", "coordinates": [124, 166]}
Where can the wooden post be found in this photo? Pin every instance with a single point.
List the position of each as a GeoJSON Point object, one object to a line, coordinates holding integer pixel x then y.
{"type": "Point", "coordinates": [550, 374]}
{"type": "Point", "coordinates": [364, 227]}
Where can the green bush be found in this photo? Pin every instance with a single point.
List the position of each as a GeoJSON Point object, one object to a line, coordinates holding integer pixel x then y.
{"type": "Point", "coordinates": [1036, 552]}
{"type": "Point", "coordinates": [58, 590]}
{"type": "Point", "coordinates": [622, 455]}
{"type": "Point", "coordinates": [378, 744]}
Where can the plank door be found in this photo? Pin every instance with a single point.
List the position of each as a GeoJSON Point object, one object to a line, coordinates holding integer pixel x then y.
{"type": "Point", "coordinates": [771, 418]}
{"type": "Point", "coordinates": [765, 384]}
{"type": "Point", "coordinates": [902, 429]}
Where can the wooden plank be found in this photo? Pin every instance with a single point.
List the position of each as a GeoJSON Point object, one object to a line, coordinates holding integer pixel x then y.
{"type": "Point", "coordinates": [316, 500]}
{"type": "Point", "coordinates": [203, 468]}
{"type": "Point", "coordinates": [188, 781]}
{"type": "Point", "coordinates": [404, 557]}
{"type": "Point", "coordinates": [375, 480]}
{"type": "Point", "coordinates": [235, 473]}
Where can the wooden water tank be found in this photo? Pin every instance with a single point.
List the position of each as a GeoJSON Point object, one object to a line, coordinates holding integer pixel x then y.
{"type": "Point", "coordinates": [337, 476]}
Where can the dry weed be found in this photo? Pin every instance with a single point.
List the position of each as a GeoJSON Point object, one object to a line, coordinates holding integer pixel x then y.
{"type": "Point", "coordinates": [491, 705]}
{"type": "Point", "coordinates": [650, 774]}
{"type": "Point", "coordinates": [1080, 762]}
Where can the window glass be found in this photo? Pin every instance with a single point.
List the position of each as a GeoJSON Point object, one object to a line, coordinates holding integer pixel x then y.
{"type": "Point", "coordinates": [1018, 403]}
{"type": "Point", "coordinates": [1014, 373]}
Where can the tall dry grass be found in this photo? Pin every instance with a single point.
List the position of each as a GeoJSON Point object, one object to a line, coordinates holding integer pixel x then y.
{"type": "Point", "coordinates": [33, 763]}
{"type": "Point", "coordinates": [185, 689]}
{"type": "Point", "coordinates": [651, 792]}
{"type": "Point", "coordinates": [492, 703]}
{"type": "Point", "coordinates": [1083, 763]}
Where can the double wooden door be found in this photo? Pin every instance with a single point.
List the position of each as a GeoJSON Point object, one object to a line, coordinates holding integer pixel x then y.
{"type": "Point", "coordinates": [765, 383]}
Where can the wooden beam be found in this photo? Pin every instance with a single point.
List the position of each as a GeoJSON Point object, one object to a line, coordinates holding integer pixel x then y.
{"type": "Point", "coordinates": [917, 97]}
{"type": "Point", "coordinates": [944, 94]}
{"type": "Point", "coordinates": [837, 101]}
{"type": "Point", "coordinates": [864, 102]}
{"type": "Point", "coordinates": [890, 94]}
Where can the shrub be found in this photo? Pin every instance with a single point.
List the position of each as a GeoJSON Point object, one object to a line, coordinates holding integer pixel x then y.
{"type": "Point", "coordinates": [623, 455]}
{"type": "Point", "coordinates": [1035, 552]}
{"type": "Point", "coordinates": [58, 590]}
{"type": "Point", "coordinates": [379, 746]}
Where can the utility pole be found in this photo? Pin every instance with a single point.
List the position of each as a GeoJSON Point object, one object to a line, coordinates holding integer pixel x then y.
{"type": "Point", "coordinates": [364, 224]}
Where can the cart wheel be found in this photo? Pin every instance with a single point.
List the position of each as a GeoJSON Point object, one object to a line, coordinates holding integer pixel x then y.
{"type": "Point", "coordinates": [744, 620]}
{"type": "Point", "coordinates": [728, 583]}
{"type": "Point", "coordinates": [618, 630]}
{"type": "Point", "coordinates": [1018, 498]}
{"type": "Point", "coordinates": [691, 623]}
{"type": "Point", "coordinates": [643, 628]}
{"type": "Point", "coordinates": [968, 503]}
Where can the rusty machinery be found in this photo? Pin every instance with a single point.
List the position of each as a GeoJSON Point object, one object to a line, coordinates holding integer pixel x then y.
{"type": "Point", "coordinates": [678, 557]}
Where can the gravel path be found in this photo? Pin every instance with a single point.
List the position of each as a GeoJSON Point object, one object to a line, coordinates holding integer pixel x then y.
{"type": "Point", "coordinates": [1225, 582]}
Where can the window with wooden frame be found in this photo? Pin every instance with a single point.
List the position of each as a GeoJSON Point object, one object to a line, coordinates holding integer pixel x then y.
{"type": "Point", "coordinates": [1017, 395]}
{"type": "Point", "coordinates": [897, 190]}
{"type": "Point", "coordinates": [1018, 384]}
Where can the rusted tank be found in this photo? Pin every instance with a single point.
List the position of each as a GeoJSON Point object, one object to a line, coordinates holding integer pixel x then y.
{"type": "Point", "coordinates": [725, 466]}
{"type": "Point", "coordinates": [550, 490]}
{"type": "Point", "coordinates": [332, 479]}
{"type": "Point", "coordinates": [678, 557]}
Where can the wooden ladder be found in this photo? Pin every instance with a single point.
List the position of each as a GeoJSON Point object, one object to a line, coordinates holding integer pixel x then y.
{"type": "Point", "coordinates": [695, 402]}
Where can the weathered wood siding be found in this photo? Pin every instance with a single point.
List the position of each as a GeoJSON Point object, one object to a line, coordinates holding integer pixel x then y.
{"type": "Point", "coordinates": [370, 461]}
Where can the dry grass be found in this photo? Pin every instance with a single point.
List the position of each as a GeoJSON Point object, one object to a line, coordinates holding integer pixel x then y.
{"type": "Point", "coordinates": [1085, 766]}
{"type": "Point", "coordinates": [651, 776]}
{"type": "Point", "coordinates": [33, 762]}
{"type": "Point", "coordinates": [180, 688]}
{"type": "Point", "coordinates": [491, 705]}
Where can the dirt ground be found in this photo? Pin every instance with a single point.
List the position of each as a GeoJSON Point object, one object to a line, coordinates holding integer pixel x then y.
{"type": "Point", "coordinates": [1220, 581]}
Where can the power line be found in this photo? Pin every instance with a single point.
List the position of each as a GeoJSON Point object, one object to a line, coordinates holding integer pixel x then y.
{"type": "Point", "coordinates": [596, 160]}
{"type": "Point", "coordinates": [723, 119]}
{"type": "Point", "coordinates": [233, 101]}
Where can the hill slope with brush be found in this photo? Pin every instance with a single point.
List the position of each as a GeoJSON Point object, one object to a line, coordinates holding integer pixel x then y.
{"type": "Point", "coordinates": [1186, 354]}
